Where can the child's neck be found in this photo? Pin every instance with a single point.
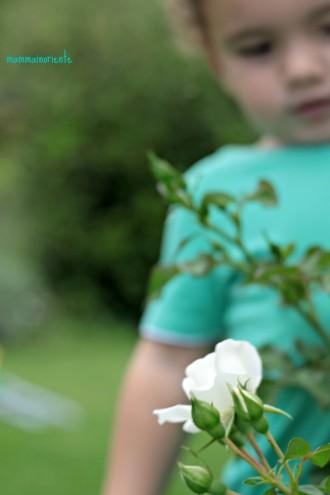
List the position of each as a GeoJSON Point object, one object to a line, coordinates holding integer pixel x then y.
{"type": "Point", "coordinates": [268, 142]}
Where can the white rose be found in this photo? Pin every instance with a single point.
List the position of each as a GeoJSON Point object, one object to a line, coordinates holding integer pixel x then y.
{"type": "Point", "coordinates": [233, 363]}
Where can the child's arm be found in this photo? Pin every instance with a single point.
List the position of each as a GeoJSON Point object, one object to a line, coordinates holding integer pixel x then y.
{"type": "Point", "coordinates": [143, 452]}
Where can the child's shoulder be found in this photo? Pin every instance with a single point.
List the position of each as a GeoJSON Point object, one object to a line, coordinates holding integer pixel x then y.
{"type": "Point", "coordinates": [228, 163]}
{"type": "Point", "coordinates": [232, 166]}
{"type": "Point", "coordinates": [220, 158]}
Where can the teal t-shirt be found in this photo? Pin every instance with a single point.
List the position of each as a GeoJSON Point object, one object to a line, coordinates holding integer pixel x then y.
{"type": "Point", "coordinates": [193, 310]}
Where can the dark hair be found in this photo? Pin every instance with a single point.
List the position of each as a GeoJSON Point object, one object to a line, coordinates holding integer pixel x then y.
{"type": "Point", "coordinates": [187, 24]}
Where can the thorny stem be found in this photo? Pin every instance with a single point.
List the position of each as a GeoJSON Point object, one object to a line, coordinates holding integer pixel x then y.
{"type": "Point", "coordinates": [219, 231]}
{"type": "Point", "coordinates": [299, 471]}
{"type": "Point", "coordinates": [252, 458]}
{"type": "Point", "coordinates": [281, 456]}
{"type": "Point", "coordinates": [258, 450]}
{"type": "Point", "coordinates": [232, 240]}
{"type": "Point", "coordinates": [268, 476]}
{"type": "Point", "coordinates": [248, 256]}
{"type": "Point", "coordinates": [275, 445]}
{"type": "Point", "coordinates": [244, 455]}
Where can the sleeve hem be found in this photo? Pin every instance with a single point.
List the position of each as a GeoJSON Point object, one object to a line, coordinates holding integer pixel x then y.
{"type": "Point", "coordinates": [167, 337]}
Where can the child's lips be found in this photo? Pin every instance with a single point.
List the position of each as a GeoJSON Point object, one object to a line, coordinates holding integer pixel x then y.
{"type": "Point", "coordinates": [318, 107]}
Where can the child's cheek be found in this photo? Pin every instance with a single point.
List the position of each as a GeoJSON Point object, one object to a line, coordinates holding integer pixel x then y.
{"type": "Point", "coordinates": [259, 98]}
{"type": "Point", "coordinates": [255, 89]}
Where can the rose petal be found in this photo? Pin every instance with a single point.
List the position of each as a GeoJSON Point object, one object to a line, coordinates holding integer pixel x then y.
{"type": "Point", "coordinates": [174, 414]}
{"type": "Point", "coordinates": [238, 361]}
{"type": "Point", "coordinates": [200, 374]}
{"type": "Point", "coordinates": [222, 399]}
{"type": "Point", "coordinates": [190, 427]}
{"type": "Point", "coordinates": [227, 419]}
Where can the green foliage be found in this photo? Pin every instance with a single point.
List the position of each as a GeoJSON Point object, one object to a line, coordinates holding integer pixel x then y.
{"type": "Point", "coordinates": [80, 136]}
{"type": "Point", "coordinates": [321, 456]}
{"type": "Point", "coordinates": [297, 449]}
{"type": "Point", "coordinates": [326, 484]}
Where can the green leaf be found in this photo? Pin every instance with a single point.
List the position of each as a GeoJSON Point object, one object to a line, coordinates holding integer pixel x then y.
{"type": "Point", "coordinates": [281, 253]}
{"type": "Point", "coordinates": [310, 259]}
{"type": "Point", "coordinates": [163, 171]}
{"type": "Point", "coordinates": [275, 410]}
{"type": "Point", "coordinates": [270, 491]}
{"type": "Point", "coordinates": [288, 250]}
{"type": "Point", "coordinates": [297, 449]}
{"type": "Point", "coordinates": [325, 485]}
{"type": "Point", "coordinates": [264, 194]}
{"type": "Point", "coordinates": [200, 266]}
{"type": "Point", "coordinates": [321, 456]}
{"type": "Point", "coordinates": [293, 290]}
{"type": "Point", "coordinates": [184, 242]}
{"type": "Point", "coordinates": [288, 280]}
{"type": "Point", "coordinates": [218, 199]}
{"type": "Point", "coordinates": [217, 246]}
{"type": "Point", "coordinates": [309, 490]}
{"type": "Point", "coordinates": [254, 481]}
{"type": "Point", "coordinates": [324, 262]}
{"type": "Point", "coordinates": [159, 277]}
{"type": "Point", "coordinates": [171, 183]}
{"type": "Point", "coordinates": [325, 282]}
{"type": "Point", "coordinates": [275, 249]}
{"type": "Point", "coordinates": [316, 262]}
{"type": "Point", "coordinates": [236, 219]}
{"type": "Point", "coordinates": [174, 195]}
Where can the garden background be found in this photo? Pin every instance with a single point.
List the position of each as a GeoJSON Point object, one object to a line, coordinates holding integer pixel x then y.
{"type": "Point", "coordinates": [80, 220]}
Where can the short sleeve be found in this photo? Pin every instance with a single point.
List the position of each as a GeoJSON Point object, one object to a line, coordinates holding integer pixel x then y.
{"type": "Point", "coordinates": [189, 310]}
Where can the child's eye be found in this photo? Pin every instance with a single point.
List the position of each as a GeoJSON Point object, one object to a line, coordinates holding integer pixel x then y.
{"type": "Point", "coordinates": [256, 50]}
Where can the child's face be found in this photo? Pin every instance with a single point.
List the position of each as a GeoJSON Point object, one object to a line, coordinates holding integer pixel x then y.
{"type": "Point", "coordinates": [274, 59]}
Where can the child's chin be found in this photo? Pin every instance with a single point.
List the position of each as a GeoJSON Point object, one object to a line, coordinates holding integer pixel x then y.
{"type": "Point", "coordinates": [310, 137]}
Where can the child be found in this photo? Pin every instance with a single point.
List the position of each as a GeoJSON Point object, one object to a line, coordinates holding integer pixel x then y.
{"type": "Point", "coordinates": [274, 59]}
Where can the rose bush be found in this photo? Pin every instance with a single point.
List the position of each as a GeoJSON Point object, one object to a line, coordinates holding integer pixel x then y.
{"type": "Point", "coordinates": [221, 388]}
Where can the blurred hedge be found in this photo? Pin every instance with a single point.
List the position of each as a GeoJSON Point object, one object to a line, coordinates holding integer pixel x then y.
{"type": "Point", "coordinates": [79, 135]}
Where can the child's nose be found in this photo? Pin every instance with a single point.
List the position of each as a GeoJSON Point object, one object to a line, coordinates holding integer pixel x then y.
{"type": "Point", "coordinates": [302, 65]}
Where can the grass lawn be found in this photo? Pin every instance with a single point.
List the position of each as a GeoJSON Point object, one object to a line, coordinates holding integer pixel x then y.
{"type": "Point", "coordinates": [85, 363]}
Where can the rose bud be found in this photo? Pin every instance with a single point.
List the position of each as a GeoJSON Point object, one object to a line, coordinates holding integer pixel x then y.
{"type": "Point", "coordinates": [253, 403]}
{"type": "Point", "coordinates": [242, 426]}
{"type": "Point", "coordinates": [217, 488]}
{"type": "Point", "coordinates": [261, 425]}
{"type": "Point", "coordinates": [240, 406]}
{"type": "Point", "coordinates": [237, 437]}
{"type": "Point", "coordinates": [207, 418]}
{"type": "Point", "coordinates": [197, 478]}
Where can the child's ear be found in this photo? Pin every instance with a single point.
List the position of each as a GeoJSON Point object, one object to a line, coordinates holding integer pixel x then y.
{"type": "Point", "coordinates": [213, 58]}
{"type": "Point", "coordinates": [216, 67]}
